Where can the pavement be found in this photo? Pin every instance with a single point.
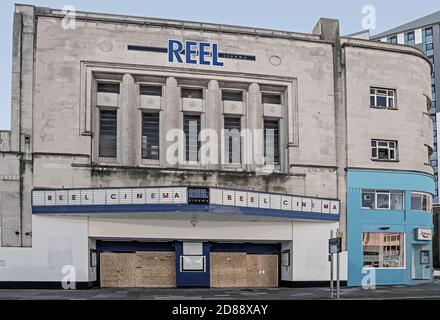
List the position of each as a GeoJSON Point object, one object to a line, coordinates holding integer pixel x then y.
{"type": "Point", "coordinates": [421, 291]}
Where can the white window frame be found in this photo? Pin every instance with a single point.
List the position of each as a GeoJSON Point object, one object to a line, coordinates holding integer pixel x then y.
{"type": "Point", "coordinates": [383, 92]}
{"type": "Point", "coordinates": [388, 192]}
{"type": "Point", "coordinates": [377, 147]}
{"type": "Point", "coordinates": [376, 193]}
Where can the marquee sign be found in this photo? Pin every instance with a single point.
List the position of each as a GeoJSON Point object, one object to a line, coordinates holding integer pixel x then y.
{"type": "Point", "coordinates": [153, 199]}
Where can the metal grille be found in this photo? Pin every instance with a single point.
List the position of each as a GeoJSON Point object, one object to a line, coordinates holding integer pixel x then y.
{"type": "Point", "coordinates": [193, 93]}
{"type": "Point", "coordinates": [146, 90]}
{"type": "Point", "coordinates": [191, 127]}
{"type": "Point", "coordinates": [271, 98]}
{"type": "Point", "coordinates": [150, 136]}
{"type": "Point", "coordinates": [232, 140]}
{"type": "Point", "coordinates": [232, 96]}
{"type": "Point", "coordinates": [108, 87]}
{"type": "Point", "coordinates": [108, 133]}
{"type": "Point", "coordinates": [272, 151]}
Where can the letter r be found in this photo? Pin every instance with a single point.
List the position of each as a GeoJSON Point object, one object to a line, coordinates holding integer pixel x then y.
{"type": "Point", "coordinates": [175, 47]}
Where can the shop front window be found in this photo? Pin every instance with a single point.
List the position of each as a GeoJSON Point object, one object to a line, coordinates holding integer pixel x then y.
{"type": "Point", "coordinates": [383, 250]}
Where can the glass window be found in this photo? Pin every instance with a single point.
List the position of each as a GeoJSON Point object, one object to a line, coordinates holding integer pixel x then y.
{"type": "Point", "coordinates": [147, 90]}
{"type": "Point", "coordinates": [384, 150]}
{"type": "Point", "coordinates": [392, 39]}
{"type": "Point", "coordinates": [232, 138]}
{"type": "Point", "coordinates": [194, 93]}
{"type": "Point", "coordinates": [271, 98]}
{"type": "Point", "coordinates": [368, 197]}
{"type": "Point", "coordinates": [396, 200]}
{"type": "Point", "coordinates": [191, 127]}
{"type": "Point", "coordinates": [383, 200]}
{"type": "Point", "coordinates": [232, 95]}
{"type": "Point", "coordinates": [150, 136]}
{"type": "Point", "coordinates": [108, 133]}
{"type": "Point", "coordinates": [383, 249]}
{"type": "Point", "coordinates": [382, 98]}
{"type": "Point", "coordinates": [410, 38]}
{"type": "Point", "coordinates": [427, 35]}
{"type": "Point", "coordinates": [421, 201]}
{"type": "Point", "coordinates": [108, 87]}
{"type": "Point", "coordinates": [272, 142]}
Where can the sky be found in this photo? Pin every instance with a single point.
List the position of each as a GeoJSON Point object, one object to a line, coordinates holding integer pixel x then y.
{"type": "Point", "coordinates": [298, 16]}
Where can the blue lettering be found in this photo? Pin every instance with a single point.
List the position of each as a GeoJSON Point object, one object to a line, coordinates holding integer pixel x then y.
{"type": "Point", "coordinates": [174, 51]}
{"type": "Point", "coordinates": [204, 53]}
{"type": "Point", "coordinates": [191, 48]}
{"type": "Point", "coordinates": [215, 61]}
{"type": "Point", "coordinates": [189, 52]}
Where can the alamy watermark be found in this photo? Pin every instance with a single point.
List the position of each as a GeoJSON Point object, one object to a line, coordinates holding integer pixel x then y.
{"type": "Point", "coordinates": [69, 19]}
{"type": "Point", "coordinates": [368, 17]}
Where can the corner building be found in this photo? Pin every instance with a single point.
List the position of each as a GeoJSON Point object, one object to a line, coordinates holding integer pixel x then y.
{"type": "Point", "coordinates": [89, 194]}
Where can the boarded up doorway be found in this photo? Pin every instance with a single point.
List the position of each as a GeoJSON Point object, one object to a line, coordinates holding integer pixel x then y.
{"type": "Point", "coordinates": [229, 269]}
{"type": "Point", "coordinates": [138, 270]}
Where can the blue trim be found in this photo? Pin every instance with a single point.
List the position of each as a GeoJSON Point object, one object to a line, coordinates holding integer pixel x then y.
{"type": "Point", "coordinates": [173, 208]}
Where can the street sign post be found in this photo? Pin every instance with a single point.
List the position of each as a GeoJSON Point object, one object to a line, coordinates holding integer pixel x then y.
{"type": "Point", "coordinates": [334, 247]}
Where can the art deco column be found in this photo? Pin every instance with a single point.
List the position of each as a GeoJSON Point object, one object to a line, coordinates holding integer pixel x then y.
{"type": "Point", "coordinates": [254, 141]}
{"type": "Point", "coordinates": [127, 123]}
{"type": "Point", "coordinates": [214, 118]}
{"type": "Point", "coordinates": [170, 118]}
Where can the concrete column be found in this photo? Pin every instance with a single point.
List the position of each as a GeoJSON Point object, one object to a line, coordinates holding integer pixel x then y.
{"type": "Point", "coordinates": [16, 221]}
{"type": "Point", "coordinates": [254, 147]}
{"type": "Point", "coordinates": [170, 117]}
{"type": "Point", "coordinates": [214, 117]}
{"type": "Point", "coordinates": [328, 29]}
{"type": "Point", "coordinates": [127, 123]}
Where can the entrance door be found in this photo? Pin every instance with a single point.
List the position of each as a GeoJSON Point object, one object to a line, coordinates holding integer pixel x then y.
{"type": "Point", "coordinates": [421, 262]}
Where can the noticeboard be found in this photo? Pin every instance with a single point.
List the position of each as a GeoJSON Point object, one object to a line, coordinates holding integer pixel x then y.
{"type": "Point", "coordinates": [334, 245]}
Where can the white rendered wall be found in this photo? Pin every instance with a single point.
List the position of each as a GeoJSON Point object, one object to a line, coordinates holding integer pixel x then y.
{"type": "Point", "coordinates": [60, 241]}
{"type": "Point", "coordinates": [182, 229]}
{"type": "Point", "coordinates": [57, 241]}
{"type": "Point", "coordinates": [310, 252]}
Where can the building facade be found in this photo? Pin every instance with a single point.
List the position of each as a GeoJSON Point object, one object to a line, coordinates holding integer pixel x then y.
{"type": "Point", "coordinates": [424, 34]}
{"type": "Point", "coordinates": [123, 167]}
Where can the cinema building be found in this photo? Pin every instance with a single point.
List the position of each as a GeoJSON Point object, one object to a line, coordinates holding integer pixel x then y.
{"type": "Point", "coordinates": [90, 191]}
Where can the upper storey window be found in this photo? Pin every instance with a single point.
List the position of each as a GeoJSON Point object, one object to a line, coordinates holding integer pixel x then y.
{"type": "Point", "coordinates": [271, 98]}
{"type": "Point", "coordinates": [385, 150]}
{"type": "Point", "coordinates": [392, 39]}
{"type": "Point", "coordinates": [151, 90]}
{"type": "Point", "coordinates": [383, 98]}
{"type": "Point", "coordinates": [108, 87]}
{"type": "Point", "coordinates": [192, 93]}
{"type": "Point", "coordinates": [410, 38]}
{"type": "Point", "coordinates": [427, 35]}
{"type": "Point", "coordinates": [232, 95]}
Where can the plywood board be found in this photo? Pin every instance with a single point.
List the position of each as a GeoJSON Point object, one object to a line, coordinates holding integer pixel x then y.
{"type": "Point", "coordinates": [138, 270]}
{"type": "Point", "coordinates": [261, 271]}
{"type": "Point", "coordinates": [117, 270]}
{"type": "Point", "coordinates": [228, 270]}
{"type": "Point", "coordinates": [155, 269]}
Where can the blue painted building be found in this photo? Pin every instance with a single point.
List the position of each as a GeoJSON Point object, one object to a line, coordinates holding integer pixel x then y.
{"type": "Point", "coordinates": [389, 223]}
